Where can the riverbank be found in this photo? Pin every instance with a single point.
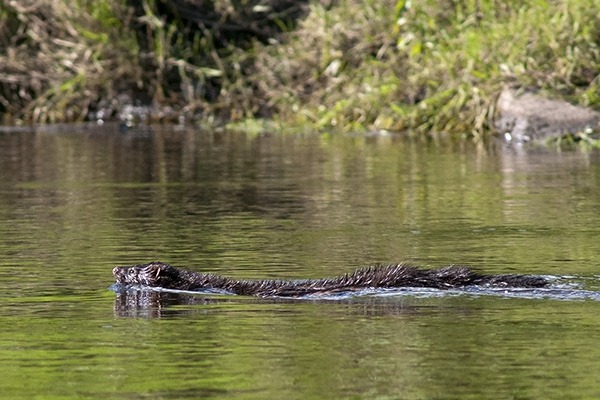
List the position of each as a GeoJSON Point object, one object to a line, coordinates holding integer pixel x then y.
{"type": "Point", "coordinates": [345, 65]}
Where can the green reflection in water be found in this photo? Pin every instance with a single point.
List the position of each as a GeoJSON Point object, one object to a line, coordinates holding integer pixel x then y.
{"type": "Point", "coordinates": [245, 348]}
{"type": "Point", "coordinates": [74, 204]}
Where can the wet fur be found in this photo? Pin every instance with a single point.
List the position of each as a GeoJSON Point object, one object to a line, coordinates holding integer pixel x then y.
{"type": "Point", "coordinates": [158, 274]}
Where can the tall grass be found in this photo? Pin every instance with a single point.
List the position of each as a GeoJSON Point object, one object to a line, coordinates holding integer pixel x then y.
{"type": "Point", "coordinates": [60, 58]}
{"type": "Point", "coordinates": [430, 65]}
{"type": "Point", "coordinates": [427, 65]}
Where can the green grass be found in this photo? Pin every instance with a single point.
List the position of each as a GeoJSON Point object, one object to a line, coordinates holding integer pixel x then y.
{"type": "Point", "coordinates": [434, 66]}
{"type": "Point", "coordinates": [58, 58]}
{"type": "Point", "coordinates": [422, 66]}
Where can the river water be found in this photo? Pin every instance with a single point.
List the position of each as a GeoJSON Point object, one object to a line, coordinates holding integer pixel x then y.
{"type": "Point", "coordinates": [77, 200]}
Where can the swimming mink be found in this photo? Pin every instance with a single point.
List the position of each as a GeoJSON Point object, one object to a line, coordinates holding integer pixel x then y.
{"type": "Point", "coordinates": [158, 274]}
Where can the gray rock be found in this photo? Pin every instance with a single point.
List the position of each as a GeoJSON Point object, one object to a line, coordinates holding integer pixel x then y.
{"type": "Point", "coordinates": [528, 116]}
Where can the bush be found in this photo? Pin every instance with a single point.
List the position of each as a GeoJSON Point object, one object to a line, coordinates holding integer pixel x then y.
{"type": "Point", "coordinates": [438, 65]}
{"type": "Point", "coordinates": [426, 66]}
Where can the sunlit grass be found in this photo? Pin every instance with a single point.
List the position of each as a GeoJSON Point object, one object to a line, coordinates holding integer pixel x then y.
{"type": "Point", "coordinates": [438, 66]}
{"type": "Point", "coordinates": [60, 58]}
{"type": "Point", "coordinates": [422, 66]}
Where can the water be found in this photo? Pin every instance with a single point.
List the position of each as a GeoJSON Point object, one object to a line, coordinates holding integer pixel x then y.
{"type": "Point", "coordinates": [77, 200]}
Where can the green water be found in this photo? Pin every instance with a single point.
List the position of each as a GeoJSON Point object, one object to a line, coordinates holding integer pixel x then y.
{"type": "Point", "coordinates": [75, 201]}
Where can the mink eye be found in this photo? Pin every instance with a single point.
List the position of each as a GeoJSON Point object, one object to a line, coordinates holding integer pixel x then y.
{"type": "Point", "coordinates": [131, 274]}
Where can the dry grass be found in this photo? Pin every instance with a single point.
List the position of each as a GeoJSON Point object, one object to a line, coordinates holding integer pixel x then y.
{"type": "Point", "coordinates": [58, 61]}
{"type": "Point", "coordinates": [433, 65]}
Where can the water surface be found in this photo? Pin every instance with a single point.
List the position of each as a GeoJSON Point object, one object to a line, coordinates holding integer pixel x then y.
{"type": "Point", "coordinates": [77, 200]}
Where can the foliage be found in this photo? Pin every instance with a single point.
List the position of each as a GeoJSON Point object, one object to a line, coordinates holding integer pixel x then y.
{"type": "Point", "coordinates": [60, 58]}
{"type": "Point", "coordinates": [423, 66]}
{"type": "Point", "coordinates": [438, 65]}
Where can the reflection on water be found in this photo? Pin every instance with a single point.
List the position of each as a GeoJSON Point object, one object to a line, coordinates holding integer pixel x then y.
{"type": "Point", "coordinates": [273, 204]}
{"type": "Point", "coordinates": [135, 303]}
{"type": "Point", "coordinates": [140, 302]}
{"type": "Point", "coordinates": [76, 201]}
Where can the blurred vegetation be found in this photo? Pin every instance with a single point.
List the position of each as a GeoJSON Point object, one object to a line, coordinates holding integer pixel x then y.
{"type": "Point", "coordinates": [429, 65]}
{"type": "Point", "coordinates": [60, 59]}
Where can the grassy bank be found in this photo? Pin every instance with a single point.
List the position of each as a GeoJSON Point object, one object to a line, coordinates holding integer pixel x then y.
{"type": "Point", "coordinates": [433, 65]}
{"type": "Point", "coordinates": [60, 59]}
